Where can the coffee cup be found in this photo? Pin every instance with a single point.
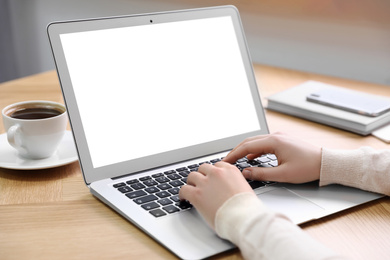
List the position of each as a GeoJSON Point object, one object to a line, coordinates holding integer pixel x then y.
{"type": "Point", "coordinates": [35, 128]}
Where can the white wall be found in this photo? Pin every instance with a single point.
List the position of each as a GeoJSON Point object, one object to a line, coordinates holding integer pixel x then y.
{"type": "Point", "coordinates": [353, 48]}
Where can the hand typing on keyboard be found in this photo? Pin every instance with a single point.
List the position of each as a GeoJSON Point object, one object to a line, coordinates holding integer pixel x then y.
{"type": "Point", "coordinates": [298, 161]}
{"type": "Point", "coordinates": [158, 193]}
{"type": "Point", "coordinates": [165, 193]}
{"type": "Point", "coordinates": [209, 187]}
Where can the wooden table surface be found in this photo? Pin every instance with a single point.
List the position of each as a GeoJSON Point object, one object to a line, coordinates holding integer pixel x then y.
{"type": "Point", "coordinates": [50, 214]}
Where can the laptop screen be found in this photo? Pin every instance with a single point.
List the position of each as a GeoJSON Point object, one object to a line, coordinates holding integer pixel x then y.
{"type": "Point", "coordinates": [158, 87]}
{"type": "Point", "coordinates": [154, 91]}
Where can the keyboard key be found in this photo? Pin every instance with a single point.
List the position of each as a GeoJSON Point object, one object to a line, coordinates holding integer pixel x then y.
{"type": "Point", "coordinates": [184, 173]}
{"type": "Point", "coordinates": [165, 201]}
{"type": "Point", "coordinates": [137, 186]}
{"type": "Point", "coordinates": [163, 194]}
{"type": "Point", "coordinates": [132, 181]}
{"type": "Point", "coordinates": [149, 206]}
{"type": "Point", "coordinates": [170, 209]}
{"type": "Point", "coordinates": [253, 162]}
{"type": "Point", "coordinates": [256, 184]}
{"type": "Point", "coordinates": [215, 161]}
{"type": "Point", "coordinates": [162, 179]}
{"type": "Point", "coordinates": [174, 176]}
{"type": "Point", "coordinates": [119, 185]}
{"type": "Point", "coordinates": [184, 204]}
{"type": "Point", "coordinates": [145, 199]}
{"type": "Point", "coordinates": [263, 159]}
{"type": "Point", "coordinates": [273, 163]}
{"type": "Point", "coordinates": [174, 191]}
{"type": "Point", "coordinates": [241, 160]}
{"type": "Point", "coordinates": [265, 165]}
{"type": "Point", "coordinates": [145, 178]}
{"type": "Point", "coordinates": [164, 186]}
{"type": "Point", "coordinates": [272, 156]}
{"type": "Point", "coordinates": [157, 175]}
{"type": "Point", "coordinates": [157, 213]}
{"type": "Point", "coordinates": [152, 189]}
{"type": "Point", "coordinates": [169, 172]}
{"type": "Point", "coordinates": [243, 165]}
{"type": "Point", "coordinates": [125, 189]}
{"type": "Point", "coordinates": [175, 198]}
{"type": "Point", "coordinates": [181, 169]}
{"type": "Point", "coordinates": [204, 163]}
{"type": "Point", "coordinates": [150, 182]}
{"type": "Point", "coordinates": [136, 194]}
{"type": "Point", "coordinates": [176, 183]}
{"type": "Point", "coordinates": [192, 166]}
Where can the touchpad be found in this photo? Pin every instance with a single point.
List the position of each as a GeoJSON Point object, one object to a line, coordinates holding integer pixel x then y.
{"type": "Point", "coordinates": [297, 208]}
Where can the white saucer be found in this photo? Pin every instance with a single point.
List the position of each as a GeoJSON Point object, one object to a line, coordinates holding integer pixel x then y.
{"type": "Point", "coordinates": [65, 154]}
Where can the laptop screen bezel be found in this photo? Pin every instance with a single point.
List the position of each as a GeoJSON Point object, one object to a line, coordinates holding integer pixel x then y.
{"type": "Point", "coordinates": [92, 174]}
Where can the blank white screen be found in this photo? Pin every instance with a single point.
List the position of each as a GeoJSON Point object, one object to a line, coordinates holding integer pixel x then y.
{"type": "Point", "coordinates": [149, 89]}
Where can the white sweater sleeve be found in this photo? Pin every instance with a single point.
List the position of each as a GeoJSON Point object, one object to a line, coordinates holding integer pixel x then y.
{"type": "Point", "coordinates": [263, 234]}
{"type": "Point", "coordinates": [363, 168]}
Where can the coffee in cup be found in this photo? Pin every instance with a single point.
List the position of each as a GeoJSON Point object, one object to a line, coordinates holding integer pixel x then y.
{"type": "Point", "coordinates": [35, 128]}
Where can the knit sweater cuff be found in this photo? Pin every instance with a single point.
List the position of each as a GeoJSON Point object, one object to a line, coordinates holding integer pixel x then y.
{"type": "Point", "coordinates": [363, 168]}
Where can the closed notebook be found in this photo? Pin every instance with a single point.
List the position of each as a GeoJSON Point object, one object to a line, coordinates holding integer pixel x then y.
{"type": "Point", "coordinates": [293, 102]}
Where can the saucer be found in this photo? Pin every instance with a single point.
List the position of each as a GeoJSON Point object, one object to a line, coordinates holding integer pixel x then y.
{"type": "Point", "coordinates": [10, 159]}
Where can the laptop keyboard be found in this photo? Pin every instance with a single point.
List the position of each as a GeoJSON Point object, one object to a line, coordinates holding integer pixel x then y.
{"type": "Point", "coordinates": [159, 193]}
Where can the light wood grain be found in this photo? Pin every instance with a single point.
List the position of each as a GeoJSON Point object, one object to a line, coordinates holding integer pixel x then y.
{"type": "Point", "coordinates": [50, 214]}
{"type": "Point", "coordinates": [72, 230]}
{"type": "Point", "coordinates": [356, 232]}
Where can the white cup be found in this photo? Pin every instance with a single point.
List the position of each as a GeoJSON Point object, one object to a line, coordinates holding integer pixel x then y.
{"type": "Point", "coordinates": [35, 128]}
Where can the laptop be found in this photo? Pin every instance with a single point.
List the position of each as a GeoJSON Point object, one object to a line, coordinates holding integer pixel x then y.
{"type": "Point", "coordinates": [151, 97]}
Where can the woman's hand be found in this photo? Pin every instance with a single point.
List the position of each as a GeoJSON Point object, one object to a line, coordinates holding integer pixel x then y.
{"type": "Point", "coordinates": [298, 161]}
{"type": "Point", "coordinates": [212, 185]}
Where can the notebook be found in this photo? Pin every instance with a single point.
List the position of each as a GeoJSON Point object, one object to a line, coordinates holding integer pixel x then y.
{"type": "Point", "coordinates": [150, 97]}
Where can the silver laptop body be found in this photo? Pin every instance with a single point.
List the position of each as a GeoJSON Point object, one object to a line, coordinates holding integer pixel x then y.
{"type": "Point", "coordinates": [148, 94]}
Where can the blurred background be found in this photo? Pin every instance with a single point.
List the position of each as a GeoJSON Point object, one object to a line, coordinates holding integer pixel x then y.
{"type": "Point", "coordinates": [343, 38]}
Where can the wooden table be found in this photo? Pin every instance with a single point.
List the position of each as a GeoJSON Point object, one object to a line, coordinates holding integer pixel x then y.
{"type": "Point", "coordinates": [50, 214]}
